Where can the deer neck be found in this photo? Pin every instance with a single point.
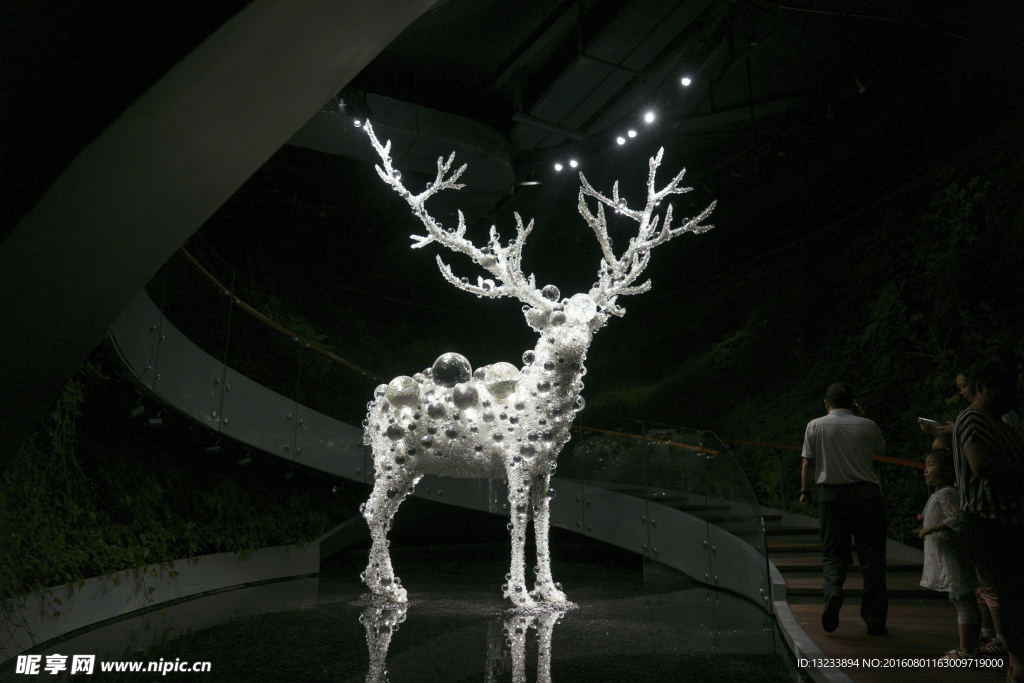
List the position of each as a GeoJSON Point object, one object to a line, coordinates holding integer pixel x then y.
{"type": "Point", "coordinates": [554, 374]}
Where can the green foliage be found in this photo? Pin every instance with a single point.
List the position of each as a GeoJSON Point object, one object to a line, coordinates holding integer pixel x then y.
{"type": "Point", "coordinates": [93, 494]}
{"type": "Point", "coordinates": [894, 301]}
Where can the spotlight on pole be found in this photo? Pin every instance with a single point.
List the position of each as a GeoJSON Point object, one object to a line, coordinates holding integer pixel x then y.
{"type": "Point", "coordinates": [686, 81]}
{"type": "Point", "coordinates": [558, 166]}
{"type": "Point", "coordinates": [631, 133]}
{"type": "Point", "coordinates": [574, 163]}
{"type": "Point", "coordinates": [649, 117]}
{"type": "Point", "coordinates": [137, 411]}
{"type": "Point", "coordinates": [621, 140]}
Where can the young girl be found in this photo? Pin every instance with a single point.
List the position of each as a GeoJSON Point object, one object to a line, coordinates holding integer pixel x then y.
{"type": "Point", "coordinates": [946, 565]}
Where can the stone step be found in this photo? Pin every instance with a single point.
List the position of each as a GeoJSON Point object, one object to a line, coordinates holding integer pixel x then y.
{"type": "Point", "coordinates": [808, 562]}
{"type": "Point", "coordinates": [787, 530]}
{"type": "Point", "coordinates": [780, 546]}
{"type": "Point", "coordinates": [899, 585]}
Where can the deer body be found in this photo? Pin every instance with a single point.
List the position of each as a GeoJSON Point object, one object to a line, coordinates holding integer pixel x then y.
{"type": "Point", "coordinates": [501, 421]}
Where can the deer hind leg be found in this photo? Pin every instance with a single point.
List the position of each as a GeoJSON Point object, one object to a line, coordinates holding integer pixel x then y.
{"type": "Point", "coordinates": [378, 511]}
{"type": "Point", "coordinates": [519, 506]}
{"type": "Point", "coordinates": [545, 587]}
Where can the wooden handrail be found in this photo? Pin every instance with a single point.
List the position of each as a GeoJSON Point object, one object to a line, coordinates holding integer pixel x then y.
{"type": "Point", "coordinates": [313, 346]}
{"type": "Point", "coordinates": [790, 447]}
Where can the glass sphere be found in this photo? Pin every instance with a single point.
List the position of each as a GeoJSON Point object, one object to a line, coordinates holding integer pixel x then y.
{"type": "Point", "coordinates": [501, 379]}
{"type": "Point", "coordinates": [580, 309]}
{"type": "Point", "coordinates": [529, 357]}
{"type": "Point", "coordinates": [465, 396]}
{"type": "Point", "coordinates": [450, 369]}
{"type": "Point", "coordinates": [403, 391]}
{"type": "Point", "coordinates": [550, 293]}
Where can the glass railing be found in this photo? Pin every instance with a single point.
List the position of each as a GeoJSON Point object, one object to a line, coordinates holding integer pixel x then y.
{"type": "Point", "coordinates": [697, 508]}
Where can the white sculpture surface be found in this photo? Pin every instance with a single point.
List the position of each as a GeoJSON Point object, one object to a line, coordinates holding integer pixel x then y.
{"type": "Point", "coordinates": [502, 421]}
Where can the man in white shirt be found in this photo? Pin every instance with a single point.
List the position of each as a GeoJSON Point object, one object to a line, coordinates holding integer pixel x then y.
{"type": "Point", "coordinates": [837, 457]}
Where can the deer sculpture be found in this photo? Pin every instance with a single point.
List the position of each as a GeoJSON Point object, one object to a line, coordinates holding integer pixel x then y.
{"type": "Point", "coordinates": [502, 421]}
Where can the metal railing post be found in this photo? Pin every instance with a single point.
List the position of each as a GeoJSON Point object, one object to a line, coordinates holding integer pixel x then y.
{"type": "Point", "coordinates": [782, 479]}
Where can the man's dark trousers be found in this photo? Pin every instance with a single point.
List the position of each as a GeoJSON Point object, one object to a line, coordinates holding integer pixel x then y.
{"type": "Point", "coordinates": [857, 511]}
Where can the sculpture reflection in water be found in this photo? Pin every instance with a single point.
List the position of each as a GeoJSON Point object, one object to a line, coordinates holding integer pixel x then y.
{"type": "Point", "coordinates": [503, 421]}
{"type": "Point", "coordinates": [506, 647]}
{"type": "Point", "coordinates": [381, 620]}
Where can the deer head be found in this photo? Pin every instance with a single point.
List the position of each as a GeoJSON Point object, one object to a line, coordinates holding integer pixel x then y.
{"type": "Point", "coordinates": [582, 314]}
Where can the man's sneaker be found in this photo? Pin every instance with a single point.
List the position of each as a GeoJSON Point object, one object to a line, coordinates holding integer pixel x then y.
{"type": "Point", "coordinates": [830, 617]}
{"type": "Point", "coordinates": [957, 653]}
{"type": "Point", "coordinates": [993, 648]}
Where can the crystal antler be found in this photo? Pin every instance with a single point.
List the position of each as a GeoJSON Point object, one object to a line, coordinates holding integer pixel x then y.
{"type": "Point", "coordinates": [504, 263]}
{"type": "Point", "coordinates": [616, 276]}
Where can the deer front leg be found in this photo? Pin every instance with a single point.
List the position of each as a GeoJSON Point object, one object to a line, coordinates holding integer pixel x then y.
{"type": "Point", "coordinates": [518, 500]}
{"type": "Point", "coordinates": [545, 587]}
{"type": "Point", "coordinates": [378, 511]}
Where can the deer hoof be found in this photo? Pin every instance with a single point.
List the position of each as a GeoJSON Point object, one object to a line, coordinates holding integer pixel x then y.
{"type": "Point", "coordinates": [521, 598]}
{"type": "Point", "coordinates": [390, 590]}
{"type": "Point", "coordinates": [393, 593]}
{"type": "Point", "coordinates": [549, 593]}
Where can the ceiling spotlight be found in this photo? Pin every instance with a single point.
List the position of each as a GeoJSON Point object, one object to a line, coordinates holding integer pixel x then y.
{"type": "Point", "coordinates": [558, 167]}
{"type": "Point", "coordinates": [860, 86]}
{"type": "Point", "coordinates": [574, 163]}
{"type": "Point", "coordinates": [631, 133]}
{"type": "Point", "coordinates": [621, 140]}
{"type": "Point", "coordinates": [649, 117]}
{"type": "Point", "coordinates": [686, 81]}
{"type": "Point", "coordinates": [358, 123]}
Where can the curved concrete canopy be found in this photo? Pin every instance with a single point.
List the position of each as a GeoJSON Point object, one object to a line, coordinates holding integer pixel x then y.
{"type": "Point", "coordinates": [134, 195]}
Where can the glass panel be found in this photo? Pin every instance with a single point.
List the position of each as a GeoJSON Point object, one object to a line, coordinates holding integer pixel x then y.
{"type": "Point", "coordinates": [609, 460]}
{"type": "Point", "coordinates": [738, 511]}
{"type": "Point", "coordinates": [263, 354]}
{"type": "Point", "coordinates": [193, 304]}
{"type": "Point", "coordinates": [675, 470]}
{"type": "Point", "coordinates": [328, 387]}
